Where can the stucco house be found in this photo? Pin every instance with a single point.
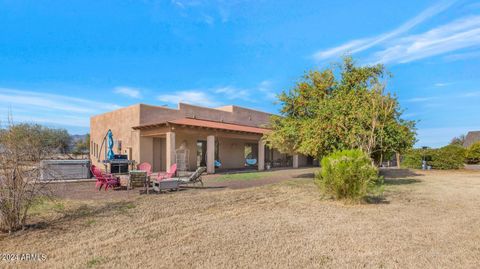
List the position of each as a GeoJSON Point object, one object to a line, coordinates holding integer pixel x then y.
{"type": "Point", "coordinates": [471, 138]}
{"type": "Point", "coordinates": [218, 138]}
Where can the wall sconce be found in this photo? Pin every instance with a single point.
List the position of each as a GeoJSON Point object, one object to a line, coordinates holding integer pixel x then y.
{"type": "Point", "coordinates": [119, 145]}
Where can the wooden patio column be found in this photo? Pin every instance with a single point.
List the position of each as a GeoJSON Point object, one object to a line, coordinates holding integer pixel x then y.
{"type": "Point", "coordinates": [210, 154]}
{"type": "Point", "coordinates": [261, 155]}
{"type": "Point", "coordinates": [170, 149]}
{"type": "Point", "coordinates": [295, 161]}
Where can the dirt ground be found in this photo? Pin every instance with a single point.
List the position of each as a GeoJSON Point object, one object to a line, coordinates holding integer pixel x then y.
{"type": "Point", "coordinates": [427, 220]}
{"type": "Point", "coordinates": [86, 190]}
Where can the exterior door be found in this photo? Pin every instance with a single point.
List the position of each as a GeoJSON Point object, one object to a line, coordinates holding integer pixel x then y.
{"type": "Point", "coordinates": [159, 155]}
{"type": "Point", "coordinates": [201, 153]}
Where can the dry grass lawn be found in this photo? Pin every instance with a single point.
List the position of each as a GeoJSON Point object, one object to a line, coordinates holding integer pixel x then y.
{"type": "Point", "coordinates": [427, 221]}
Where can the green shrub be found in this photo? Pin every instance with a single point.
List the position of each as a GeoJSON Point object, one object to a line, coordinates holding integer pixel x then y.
{"type": "Point", "coordinates": [448, 157]}
{"type": "Point", "coordinates": [472, 154]}
{"type": "Point", "coordinates": [413, 158]}
{"type": "Point", "coordinates": [348, 174]}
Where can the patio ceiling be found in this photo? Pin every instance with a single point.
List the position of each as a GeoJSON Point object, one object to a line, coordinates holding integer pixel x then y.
{"type": "Point", "coordinates": [188, 122]}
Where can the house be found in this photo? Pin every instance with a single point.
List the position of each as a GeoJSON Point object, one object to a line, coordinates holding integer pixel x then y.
{"type": "Point", "coordinates": [226, 137]}
{"type": "Point", "coordinates": [471, 138]}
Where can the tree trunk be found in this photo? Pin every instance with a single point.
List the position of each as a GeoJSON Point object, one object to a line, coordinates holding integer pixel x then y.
{"type": "Point", "coordinates": [398, 159]}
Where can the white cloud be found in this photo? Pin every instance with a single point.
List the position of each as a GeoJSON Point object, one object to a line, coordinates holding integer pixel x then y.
{"type": "Point", "coordinates": [266, 88]}
{"type": "Point", "coordinates": [409, 115]}
{"type": "Point", "coordinates": [52, 102]}
{"type": "Point", "coordinates": [462, 56]}
{"type": "Point", "coordinates": [442, 84]}
{"type": "Point", "coordinates": [471, 94]}
{"type": "Point", "coordinates": [359, 45]}
{"type": "Point", "coordinates": [178, 4]}
{"type": "Point", "coordinates": [193, 97]}
{"type": "Point", "coordinates": [421, 99]}
{"type": "Point", "coordinates": [460, 34]}
{"type": "Point", "coordinates": [208, 19]}
{"type": "Point", "coordinates": [127, 91]}
{"type": "Point", "coordinates": [208, 11]}
{"type": "Point", "coordinates": [46, 108]}
{"type": "Point", "coordinates": [53, 119]}
{"type": "Point", "coordinates": [211, 96]}
{"type": "Point", "coordinates": [233, 93]}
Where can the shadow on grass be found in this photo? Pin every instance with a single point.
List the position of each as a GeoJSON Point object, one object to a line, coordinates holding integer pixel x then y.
{"type": "Point", "coordinates": [83, 212]}
{"type": "Point", "coordinates": [398, 173]}
{"type": "Point", "coordinates": [306, 175]}
{"type": "Point", "coordinates": [204, 187]}
{"type": "Point", "coordinates": [376, 200]}
{"type": "Point", "coordinates": [400, 181]}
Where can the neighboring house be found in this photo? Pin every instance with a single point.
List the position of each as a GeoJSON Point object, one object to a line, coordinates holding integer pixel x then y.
{"type": "Point", "coordinates": [471, 138]}
{"type": "Point", "coordinates": [160, 136]}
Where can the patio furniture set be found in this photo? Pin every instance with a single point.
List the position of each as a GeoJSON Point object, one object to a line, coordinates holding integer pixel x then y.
{"type": "Point", "coordinates": [143, 177]}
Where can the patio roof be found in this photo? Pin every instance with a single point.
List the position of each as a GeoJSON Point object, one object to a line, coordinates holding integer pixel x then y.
{"type": "Point", "coordinates": [206, 124]}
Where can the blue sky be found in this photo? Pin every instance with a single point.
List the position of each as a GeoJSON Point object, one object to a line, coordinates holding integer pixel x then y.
{"type": "Point", "coordinates": [63, 61]}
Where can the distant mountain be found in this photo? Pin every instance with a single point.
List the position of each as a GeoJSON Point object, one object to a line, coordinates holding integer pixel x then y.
{"type": "Point", "coordinates": [76, 138]}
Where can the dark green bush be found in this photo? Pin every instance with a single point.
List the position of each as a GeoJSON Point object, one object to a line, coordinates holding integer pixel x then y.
{"type": "Point", "coordinates": [472, 154]}
{"type": "Point", "coordinates": [448, 157]}
{"type": "Point", "coordinates": [413, 158]}
{"type": "Point", "coordinates": [348, 174]}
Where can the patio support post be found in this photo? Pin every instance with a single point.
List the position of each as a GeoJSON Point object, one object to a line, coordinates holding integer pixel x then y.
{"type": "Point", "coordinates": [210, 154]}
{"type": "Point", "coordinates": [261, 155]}
{"type": "Point", "coordinates": [295, 161]}
{"type": "Point", "coordinates": [170, 149]}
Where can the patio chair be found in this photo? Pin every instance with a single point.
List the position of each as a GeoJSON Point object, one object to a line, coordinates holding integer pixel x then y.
{"type": "Point", "coordinates": [176, 182]}
{"type": "Point", "coordinates": [165, 175]}
{"type": "Point", "coordinates": [104, 179]}
{"type": "Point", "coordinates": [145, 167]}
{"type": "Point", "coordinates": [193, 178]}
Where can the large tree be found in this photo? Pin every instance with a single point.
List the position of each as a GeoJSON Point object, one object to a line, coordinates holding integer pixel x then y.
{"type": "Point", "coordinates": [342, 107]}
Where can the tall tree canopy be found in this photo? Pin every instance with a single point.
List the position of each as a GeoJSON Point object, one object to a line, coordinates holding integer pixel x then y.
{"type": "Point", "coordinates": [343, 107]}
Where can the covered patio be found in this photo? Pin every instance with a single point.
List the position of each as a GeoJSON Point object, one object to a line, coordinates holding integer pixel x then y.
{"type": "Point", "coordinates": [191, 143]}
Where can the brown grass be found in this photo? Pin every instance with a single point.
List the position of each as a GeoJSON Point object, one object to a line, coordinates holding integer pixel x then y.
{"type": "Point", "coordinates": [427, 221]}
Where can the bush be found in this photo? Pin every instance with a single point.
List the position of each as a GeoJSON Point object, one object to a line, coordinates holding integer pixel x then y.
{"type": "Point", "coordinates": [22, 147]}
{"type": "Point", "coordinates": [348, 174]}
{"type": "Point", "coordinates": [448, 157]}
{"type": "Point", "coordinates": [413, 158]}
{"type": "Point", "coordinates": [472, 154]}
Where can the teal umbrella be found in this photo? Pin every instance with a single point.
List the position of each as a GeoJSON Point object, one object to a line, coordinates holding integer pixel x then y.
{"type": "Point", "coordinates": [110, 154]}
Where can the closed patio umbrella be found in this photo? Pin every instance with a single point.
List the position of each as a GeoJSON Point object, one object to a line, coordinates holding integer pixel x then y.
{"type": "Point", "coordinates": [110, 154]}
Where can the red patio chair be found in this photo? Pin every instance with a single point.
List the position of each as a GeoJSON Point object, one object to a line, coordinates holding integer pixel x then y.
{"type": "Point", "coordinates": [145, 167]}
{"type": "Point", "coordinates": [165, 175]}
{"type": "Point", "coordinates": [104, 179]}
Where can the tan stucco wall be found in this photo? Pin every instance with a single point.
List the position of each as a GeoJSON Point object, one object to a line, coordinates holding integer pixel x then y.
{"type": "Point", "coordinates": [232, 152]}
{"type": "Point", "coordinates": [120, 121]}
{"type": "Point", "coordinates": [154, 114]}
{"type": "Point", "coordinates": [149, 145]}
{"type": "Point", "coordinates": [230, 114]}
